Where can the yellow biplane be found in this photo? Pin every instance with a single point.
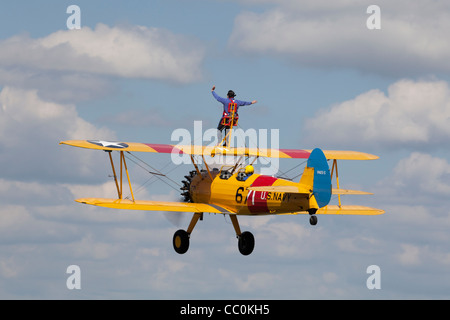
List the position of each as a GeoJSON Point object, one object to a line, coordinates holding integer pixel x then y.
{"type": "Point", "coordinates": [230, 190]}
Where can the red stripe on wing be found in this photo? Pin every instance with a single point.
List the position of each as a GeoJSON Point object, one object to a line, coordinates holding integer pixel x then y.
{"type": "Point", "coordinates": [297, 154]}
{"type": "Point", "coordinates": [164, 148]}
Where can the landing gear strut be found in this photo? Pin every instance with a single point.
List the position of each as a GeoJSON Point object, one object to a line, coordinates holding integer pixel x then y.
{"type": "Point", "coordinates": [181, 237]}
{"type": "Point", "coordinates": [246, 241]}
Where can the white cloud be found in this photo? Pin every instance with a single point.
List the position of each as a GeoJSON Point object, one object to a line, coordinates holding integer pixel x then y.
{"type": "Point", "coordinates": [335, 34]}
{"type": "Point", "coordinates": [413, 255]}
{"type": "Point", "coordinates": [256, 281]}
{"type": "Point", "coordinates": [412, 114]}
{"type": "Point", "coordinates": [415, 190]}
{"type": "Point", "coordinates": [423, 173]}
{"type": "Point", "coordinates": [409, 255]}
{"type": "Point", "coordinates": [139, 118]}
{"type": "Point", "coordinates": [105, 190]}
{"type": "Point", "coordinates": [30, 131]}
{"type": "Point", "coordinates": [9, 268]}
{"type": "Point", "coordinates": [330, 277]}
{"type": "Point", "coordinates": [123, 51]}
{"type": "Point", "coordinates": [57, 86]}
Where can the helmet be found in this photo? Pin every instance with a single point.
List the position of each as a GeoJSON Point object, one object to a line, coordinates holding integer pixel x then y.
{"type": "Point", "coordinates": [231, 94]}
{"type": "Point", "coordinates": [249, 169]}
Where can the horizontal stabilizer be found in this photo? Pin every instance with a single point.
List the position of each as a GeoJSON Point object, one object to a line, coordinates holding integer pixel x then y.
{"type": "Point", "coordinates": [346, 191]}
{"type": "Point", "coordinates": [127, 204]}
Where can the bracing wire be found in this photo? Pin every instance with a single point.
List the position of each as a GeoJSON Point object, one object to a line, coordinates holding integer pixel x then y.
{"type": "Point", "coordinates": [158, 172]}
{"type": "Point", "coordinates": [284, 174]}
{"type": "Point", "coordinates": [154, 173]}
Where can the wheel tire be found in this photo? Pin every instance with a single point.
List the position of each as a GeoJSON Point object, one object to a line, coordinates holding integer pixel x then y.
{"type": "Point", "coordinates": [313, 220]}
{"type": "Point", "coordinates": [246, 243]}
{"type": "Point", "coordinates": [181, 241]}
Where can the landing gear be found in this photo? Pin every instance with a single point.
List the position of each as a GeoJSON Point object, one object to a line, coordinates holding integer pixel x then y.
{"type": "Point", "coordinates": [246, 240]}
{"type": "Point", "coordinates": [181, 237]}
{"type": "Point", "coordinates": [181, 241]}
{"type": "Point", "coordinates": [313, 217]}
{"type": "Point", "coordinates": [313, 220]}
{"type": "Point", "coordinates": [246, 243]}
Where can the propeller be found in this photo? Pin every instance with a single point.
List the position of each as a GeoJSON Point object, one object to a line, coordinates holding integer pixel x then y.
{"type": "Point", "coordinates": [176, 218]}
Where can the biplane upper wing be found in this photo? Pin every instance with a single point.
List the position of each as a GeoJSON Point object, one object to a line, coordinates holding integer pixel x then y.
{"type": "Point", "coordinates": [121, 146]}
{"type": "Point", "coordinates": [214, 150]}
{"type": "Point", "coordinates": [145, 205]}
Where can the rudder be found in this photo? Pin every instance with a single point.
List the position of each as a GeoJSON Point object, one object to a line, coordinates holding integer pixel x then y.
{"type": "Point", "coordinates": [317, 174]}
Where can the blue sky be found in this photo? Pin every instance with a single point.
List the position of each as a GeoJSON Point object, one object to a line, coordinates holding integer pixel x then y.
{"type": "Point", "coordinates": [138, 71]}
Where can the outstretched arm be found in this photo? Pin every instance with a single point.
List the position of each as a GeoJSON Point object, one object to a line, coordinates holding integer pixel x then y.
{"type": "Point", "coordinates": [217, 97]}
{"type": "Point", "coordinates": [245, 103]}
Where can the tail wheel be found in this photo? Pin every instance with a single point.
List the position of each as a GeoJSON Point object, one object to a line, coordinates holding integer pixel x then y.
{"type": "Point", "coordinates": [181, 241]}
{"type": "Point", "coordinates": [313, 220]}
{"type": "Point", "coordinates": [312, 217]}
{"type": "Point", "coordinates": [246, 243]}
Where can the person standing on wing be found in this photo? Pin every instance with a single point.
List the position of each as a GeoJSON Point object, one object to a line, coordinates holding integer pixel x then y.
{"type": "Point", "coordinates": [228, 104]}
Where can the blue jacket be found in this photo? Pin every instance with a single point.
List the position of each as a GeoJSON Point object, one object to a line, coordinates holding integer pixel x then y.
{"type": "Point", "coordinates": [226, 101]}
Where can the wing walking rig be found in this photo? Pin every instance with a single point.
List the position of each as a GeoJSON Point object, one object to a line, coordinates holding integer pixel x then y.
{"type": "Point", "coordinates": [230, 191]}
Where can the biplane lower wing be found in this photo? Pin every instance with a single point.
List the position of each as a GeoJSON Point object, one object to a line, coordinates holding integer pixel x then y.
{"type": "Point", "coordinates": [351, 210]}
{"type": "Point", "coordinates": [142, 205]}
{"type": "Point", "coordinates": [346, 210]}
{"type": "Point", "coordinates": [214, 150]}
{"type": "Point", "coordinates": [127, 204]}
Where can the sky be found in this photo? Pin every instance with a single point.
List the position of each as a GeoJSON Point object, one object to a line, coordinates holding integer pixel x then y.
{"type": "Point", "coordinates": [137, 71]}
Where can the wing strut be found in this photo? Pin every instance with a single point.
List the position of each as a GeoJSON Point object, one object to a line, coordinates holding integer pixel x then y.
{"type": "Point", "coordinates": [337, 179]}
{"type": "Point", "coordinates": [123, 164]}
{"type": "Point", "coordinates": [195, 165]}
{"type": "Point", "coordinates": [119, 191]}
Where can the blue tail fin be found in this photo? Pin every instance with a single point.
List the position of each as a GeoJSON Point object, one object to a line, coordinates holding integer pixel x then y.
{"type": "Point", "coordinates": [322, 177]}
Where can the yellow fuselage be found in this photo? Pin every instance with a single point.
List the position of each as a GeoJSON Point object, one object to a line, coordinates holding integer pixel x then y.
{"type": "Point", "coordinates": [232, 193]}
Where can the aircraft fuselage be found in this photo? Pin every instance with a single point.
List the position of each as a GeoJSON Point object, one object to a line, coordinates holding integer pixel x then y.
{"type": "Point", "coordinates": [231, 192]}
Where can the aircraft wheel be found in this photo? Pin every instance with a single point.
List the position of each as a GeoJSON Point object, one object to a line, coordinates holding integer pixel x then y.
{"type": "Point", "coordinates": [313, 220]}
{"type": "Point", "coordinates": [181, 241]}
{"type": "Point", "coordinates": [246, 243]}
